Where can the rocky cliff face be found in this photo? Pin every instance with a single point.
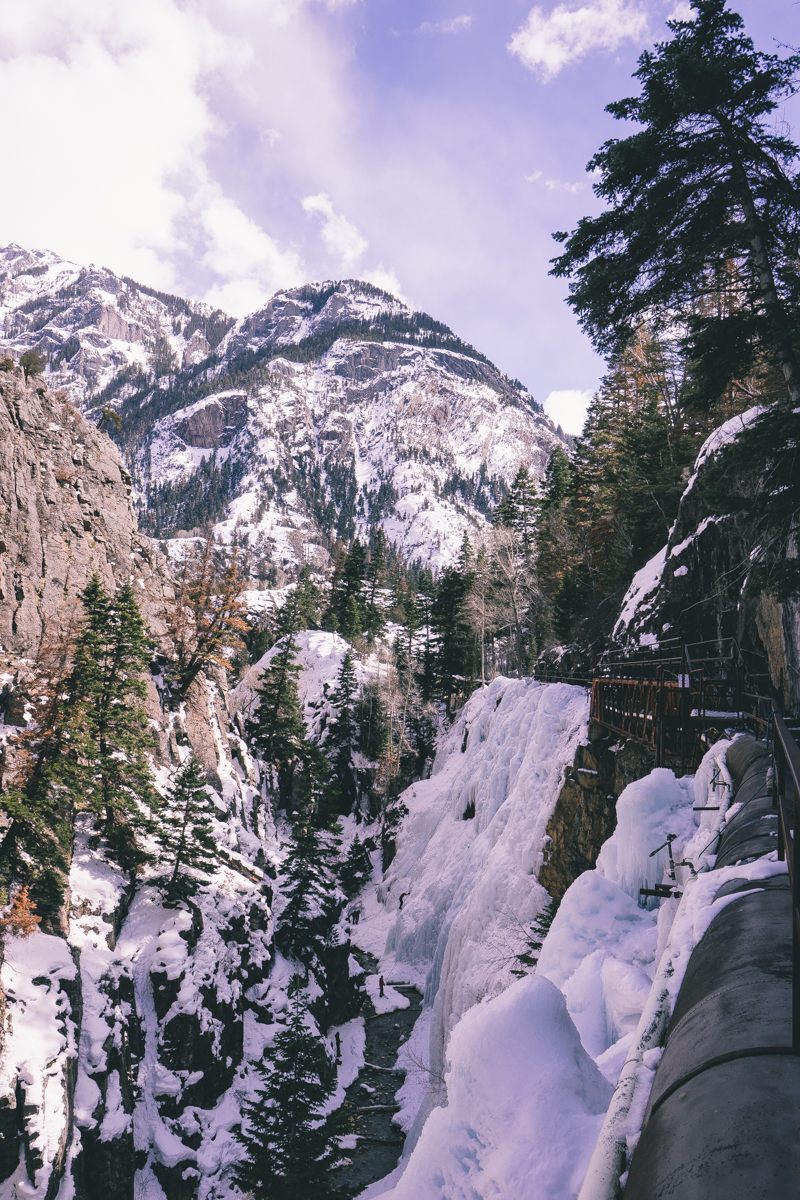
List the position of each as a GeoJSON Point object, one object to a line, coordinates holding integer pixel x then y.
{"type": "Point", "coordinates": [101, 334]}
{"type": "Point", "coordinates": [696, 587]}
{"type": "Point", "coordinates": [585, 813]}
{"type": "Point", "coordinates": [66, 514]}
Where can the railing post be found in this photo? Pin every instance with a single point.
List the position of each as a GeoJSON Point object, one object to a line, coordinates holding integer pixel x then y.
{"type": "Point", "coordinates": [659, 716]}
{"type": "Point", "coordinates": [795, 894]}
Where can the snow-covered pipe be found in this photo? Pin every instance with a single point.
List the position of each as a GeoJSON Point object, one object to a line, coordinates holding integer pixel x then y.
{"type": "Point", "coordinates": [609, 1159]}
{"type": "Point", "coordinates": [626, 1112]}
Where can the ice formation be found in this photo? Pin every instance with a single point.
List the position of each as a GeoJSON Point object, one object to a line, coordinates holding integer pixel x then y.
{"type": "Point", "coordinates": [518, 1075]}
{"type": "Point", "coordinates": [519, 1085]}
{"type": "Point", "coordinates": [452, 910]}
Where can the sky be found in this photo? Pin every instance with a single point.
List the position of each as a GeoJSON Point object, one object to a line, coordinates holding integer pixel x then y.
{"type": "Point", "coordinates": [222, 149]}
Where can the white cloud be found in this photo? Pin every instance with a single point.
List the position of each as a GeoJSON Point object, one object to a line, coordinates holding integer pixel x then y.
{"type": "Point", "coordinates": [682, 11]}
{"type": "Point", "coordinates": [556, 185]}
{"type": "Point", "coordinates": [387, 281]}
{"type": "Point", "coordinates": [568, 409]}
{"type": "Point", "coordinates": [118, 93]}
{"type": "Point", "coordinates": [454, 25]}
{"type": "Point", "coordinates": [549, 42]}
{"type": "Point", "coordinates": [340, 236]}
{"type": "Point", "coordinates": [247, 260]}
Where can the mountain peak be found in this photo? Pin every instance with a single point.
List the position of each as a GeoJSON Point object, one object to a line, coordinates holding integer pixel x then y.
{"type": "Point", "coordinates": [316, 314]}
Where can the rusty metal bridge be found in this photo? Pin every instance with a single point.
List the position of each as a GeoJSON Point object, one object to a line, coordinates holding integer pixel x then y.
{"type": "Point", "coordinates": [667, 696]}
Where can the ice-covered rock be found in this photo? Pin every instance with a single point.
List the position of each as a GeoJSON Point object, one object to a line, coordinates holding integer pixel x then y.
{"type": "Point", "coordinates": [454, 907]}
{"type": "Point", "coordinates": [525, 1104]}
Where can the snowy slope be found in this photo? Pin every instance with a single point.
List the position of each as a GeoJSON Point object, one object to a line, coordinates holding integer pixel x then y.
{"type": "Point", "coordinates": [133, 1042]}
{"type": "Point", "coordinates": [452, 910]}
{"type": "Point", "coordinates": [525, 1104]}
{"type": "Point", "coordinates": [426, 455]}
{"type": "Point", "coordinates": [519, 1073]}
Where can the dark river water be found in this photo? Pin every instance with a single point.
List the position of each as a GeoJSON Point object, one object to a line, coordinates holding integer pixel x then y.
{"type": "Point", "coordinates": [380, 1143]}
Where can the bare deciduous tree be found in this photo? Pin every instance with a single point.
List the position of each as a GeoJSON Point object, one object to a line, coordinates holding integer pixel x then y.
{"type": "Point", "coordinates": [206, 618]}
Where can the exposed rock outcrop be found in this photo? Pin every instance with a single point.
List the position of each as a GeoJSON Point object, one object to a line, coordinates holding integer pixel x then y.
{"type": "Point", "coordinates": [585, 812]}
{"type": "Point", "coordinates": [696, 588]}
{"type": "Point", "coordinates": [65, 512]}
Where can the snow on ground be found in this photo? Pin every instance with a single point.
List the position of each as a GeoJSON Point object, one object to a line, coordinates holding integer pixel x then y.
{"type": "Point", "coordinates": [604, 946]}
{"type": "Point", "coordinates": [391, 999]}
{"type": "Point", "coordinates": [453, 905]}
{"type": "Point", "coordinates": [643, 584]}
{"type": "Point", "coordinates": [721, 437]}
{"type": "Point", "coordinates": [648, 810]}
{"type": "Point", "coordinates": [320, 655]}
{"type": "Point", "coordinates": [453, 908]}
{"type": "Point", "coordinates": [600, 952]}
{"type": "Point", "coordinates": [38, 1046]}
{"type": "Point", "coordinates": [512, 1092]}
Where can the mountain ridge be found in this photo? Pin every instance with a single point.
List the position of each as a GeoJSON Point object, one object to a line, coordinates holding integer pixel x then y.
{"type": "Point", "coordinates": [332, 410]}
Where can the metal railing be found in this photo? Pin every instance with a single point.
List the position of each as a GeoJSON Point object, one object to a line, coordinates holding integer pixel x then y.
{"type": "Point", "coordinates": [664, 696]}
{"type": "Point", "coordinates": [785, 793]}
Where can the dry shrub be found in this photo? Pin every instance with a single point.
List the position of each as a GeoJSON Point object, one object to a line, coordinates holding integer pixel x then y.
{"type": "Point", "coordinates": [20, 918]}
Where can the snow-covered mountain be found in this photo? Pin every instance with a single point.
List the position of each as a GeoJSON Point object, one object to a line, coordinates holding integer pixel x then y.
{"type": "Point", "coordinates": [102, 334]}
{"type": "Point", "coordinates": [332, 410]}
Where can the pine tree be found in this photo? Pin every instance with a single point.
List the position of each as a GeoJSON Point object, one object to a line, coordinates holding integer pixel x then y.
{"type": "Point", "coordinates": [185, 831]}
{"type": "Point", "coordinates": [342, 738]}
{"type": "Point", "coordinates": [454, 658]}
{"type": "Point", "coordinates": [86, 749]}
{"type": "Point", "coordinates": [465, 559]}
{"type": "Point", "coordinates": [556, 482]}
{"type": "Point", "coordinates": [346, 609]}
{"type": "Point", "coordinates": [106, 724]}
{"type": "Point", "coordinates": [350, 624]}
{"type": "Point", "coordinates": [704, 186]}
{"type": "Point", "coordinates": [480, 607]}
{"type": "Point", "coordinates": [307, 600]}
{"type": "Point", "coordinates": [308, 884]}
{"type": "Point", "coordinates": [96, 747]}
{"type": "Point", "coordinates": [291, 1148]}
{"type": "Point", "coordinates": [32, 363]}
{"type": "Point", "coordinates": [518, 510]}
{"type": "Point", "coordinates": [276, 728]}
{"type": "Point", "coordinates": [373, 616]}
{"type": "Point", "coordinates": [356, 870]}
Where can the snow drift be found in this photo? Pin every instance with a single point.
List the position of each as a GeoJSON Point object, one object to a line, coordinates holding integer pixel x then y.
{"type": "Point", "coordinates": [520, 1079]}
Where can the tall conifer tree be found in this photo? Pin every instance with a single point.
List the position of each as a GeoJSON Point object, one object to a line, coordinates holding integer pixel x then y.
{"type": "Point", "coordinates": [308, 884]}
{"type": "Point", "coordinates": [87, 750]}
{"type": "Point", "coordinates": [376, 571]}
{"type": "Point", "coordinates": [277, 728]}
{"type": "Point", "coordinates": [342, 738]}
{"type": "Point", "coordinates": [185, 831]}
{"type": "Point", "coordinates": [291, 1148]}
